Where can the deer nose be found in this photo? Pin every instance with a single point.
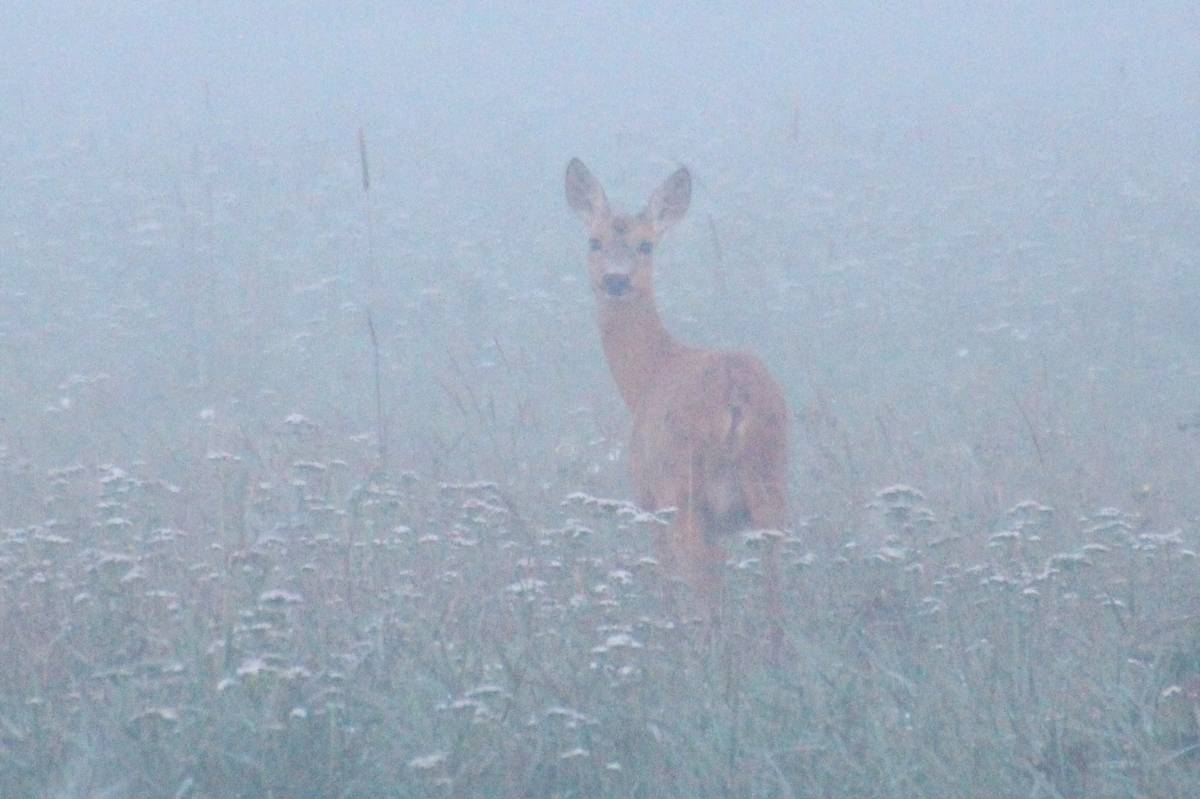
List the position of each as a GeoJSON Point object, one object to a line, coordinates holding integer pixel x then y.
{"type": "Point", "coordinates": [616, 284]}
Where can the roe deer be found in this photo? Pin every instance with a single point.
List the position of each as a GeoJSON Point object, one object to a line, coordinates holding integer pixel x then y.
{"type": "Point", "coordinates": [709, 428]}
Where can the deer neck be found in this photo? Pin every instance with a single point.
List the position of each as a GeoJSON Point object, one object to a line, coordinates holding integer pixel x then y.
{"type": "Point", "coordinates": [636, 345]}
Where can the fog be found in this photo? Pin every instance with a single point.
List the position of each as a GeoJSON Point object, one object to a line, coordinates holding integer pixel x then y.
{"type": "Point", "coordinates": [964, 240]}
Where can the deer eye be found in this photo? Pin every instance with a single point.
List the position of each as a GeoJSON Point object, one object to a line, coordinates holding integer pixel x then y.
{"type": "Point", "coordinates": [646, 247]}
{"type": "Point", "coordinates": [594, 244]}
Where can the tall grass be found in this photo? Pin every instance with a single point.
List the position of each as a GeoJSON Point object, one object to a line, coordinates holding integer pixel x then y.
{"type": "Point", "coordinates": [229, 587]}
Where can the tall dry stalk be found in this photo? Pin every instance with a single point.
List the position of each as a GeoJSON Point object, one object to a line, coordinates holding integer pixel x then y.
{"type": "Point", "coordinates": [372, 289]}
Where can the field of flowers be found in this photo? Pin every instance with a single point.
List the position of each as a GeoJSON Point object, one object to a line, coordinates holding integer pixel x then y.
{"type": "Point", "coordinates": [229, 567]}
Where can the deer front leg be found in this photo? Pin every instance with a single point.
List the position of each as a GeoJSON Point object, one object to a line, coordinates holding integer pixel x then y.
{"type": "Point", "coordinates": [699, 563]}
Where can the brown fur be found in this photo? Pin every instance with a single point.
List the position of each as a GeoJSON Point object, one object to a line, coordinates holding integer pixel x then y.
{"type": "Point", "coordinates": [709, 427]}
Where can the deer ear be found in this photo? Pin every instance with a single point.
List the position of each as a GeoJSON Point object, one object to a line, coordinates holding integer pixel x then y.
{"type": "Point", "coordinates": [670, 201]}
{"type": "Point", "coordinates": [584, 194]}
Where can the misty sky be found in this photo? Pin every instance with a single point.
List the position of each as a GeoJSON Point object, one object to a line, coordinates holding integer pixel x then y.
{"type": "Point", "coordinates": [565, 79]}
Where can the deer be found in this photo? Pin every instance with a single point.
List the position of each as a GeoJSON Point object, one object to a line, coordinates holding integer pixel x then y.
{"type": "Point", "coordinates": [710, 427]}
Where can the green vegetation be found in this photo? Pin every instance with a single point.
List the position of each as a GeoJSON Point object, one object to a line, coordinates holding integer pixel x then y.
{"type": "Point", "coordinates": [210, 586]}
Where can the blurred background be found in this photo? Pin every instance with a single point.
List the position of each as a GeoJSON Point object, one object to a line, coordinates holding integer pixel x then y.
{"type": "Point", "coordinates": [965, 237]}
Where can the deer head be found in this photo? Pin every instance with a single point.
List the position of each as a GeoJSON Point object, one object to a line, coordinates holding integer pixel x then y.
{"type": "Point", "coordinates": [621, 246]}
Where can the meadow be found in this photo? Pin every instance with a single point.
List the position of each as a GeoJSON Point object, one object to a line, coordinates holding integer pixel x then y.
{"type": "Point", "coordinates": [311, 490]}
